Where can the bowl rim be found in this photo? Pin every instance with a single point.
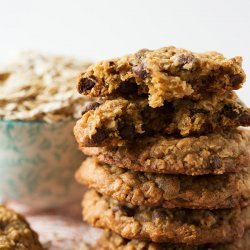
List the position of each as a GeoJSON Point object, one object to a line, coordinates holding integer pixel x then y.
{"type": "Point", "coordinates": [36, 121]}
{"type": "Point", "coordinates": [23, 121]}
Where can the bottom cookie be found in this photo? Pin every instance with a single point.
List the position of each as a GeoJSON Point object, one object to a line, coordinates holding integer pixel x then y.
{"type": "Point", "coordinates": [165, 225]}
{"type": "Point", "coordinates": [15, 232]}
{"type": "Point", "coordinates": [112, 241]}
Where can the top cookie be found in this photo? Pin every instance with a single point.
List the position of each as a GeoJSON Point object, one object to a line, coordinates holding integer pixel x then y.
{"type": "Point", "coordinates": [164, 74]}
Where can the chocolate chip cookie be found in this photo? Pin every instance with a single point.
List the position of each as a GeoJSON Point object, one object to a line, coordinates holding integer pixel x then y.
{"type": "Point", "coordinates": [169, 191]}
{"type": "Point", "coordinates": [164, 74]}
{"type": "Point", "coordinates": [118, 121]}
{"type": "Point", "coordinates": [112, 241]}
{"type": "Point", "coordinates": [215, 153]}
{"type": "Point", "coordinates": [165, 225]}
{"type": "Point", "coordinates": [15, 232]}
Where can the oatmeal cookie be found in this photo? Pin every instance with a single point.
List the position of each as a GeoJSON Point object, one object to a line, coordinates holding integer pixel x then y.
{"type": "Point", "coordinates": [15, 232]}
{"type": "Point", "coordinates": [169, 191]}
{"type": "Point", "coordinates": [164, 74]}
{"type": "Point", "coordinates": [215, 153]}
{"type": "Point", "coordinates": [165, 225]}
{"type": "Point", "coordinates": [118, 121]}
{"type": "Point", "coordinates": [112, 241]}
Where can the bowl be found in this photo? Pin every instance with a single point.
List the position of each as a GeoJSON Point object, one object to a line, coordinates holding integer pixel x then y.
{"type": "Point", "coordinates": [37, 163]}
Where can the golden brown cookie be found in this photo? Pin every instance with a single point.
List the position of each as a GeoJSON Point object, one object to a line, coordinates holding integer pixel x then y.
{"type": "Point", "coordinates": [169, 191]}
{"type": "Point", "coordinates": [164, 74]}
{"type": "Point", "coordinates": [15, 232]}
{"type": "Point", "coordinates": [119, 121]}
{"type": "Point", "coordinates": [215, 153]}
{"type": "Point", "coordinates": [165, 225]}
{"type": "Point", "coordinates": [112, 241]}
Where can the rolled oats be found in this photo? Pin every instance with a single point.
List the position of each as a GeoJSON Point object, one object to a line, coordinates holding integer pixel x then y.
{"type": "Point", "coordinates": [40, 87]}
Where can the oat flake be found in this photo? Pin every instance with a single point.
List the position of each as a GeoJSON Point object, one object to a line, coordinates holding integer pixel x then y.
{"type": "Point", "coordinates": [41, 87]}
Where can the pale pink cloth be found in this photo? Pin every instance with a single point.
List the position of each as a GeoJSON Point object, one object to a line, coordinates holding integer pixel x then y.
{"type": "Point", "coordinates": [60, 229]}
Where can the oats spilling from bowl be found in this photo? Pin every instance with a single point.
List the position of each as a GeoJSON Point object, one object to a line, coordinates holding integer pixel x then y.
{"type": "Point", "coordinates": [40, 87]}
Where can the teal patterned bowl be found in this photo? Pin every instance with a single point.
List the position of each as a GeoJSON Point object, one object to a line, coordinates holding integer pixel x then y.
{"type": "Point", "coordinates": [37, 163]}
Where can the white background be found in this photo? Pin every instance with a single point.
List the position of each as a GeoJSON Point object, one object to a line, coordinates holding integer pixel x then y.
{"type": "Point", "coordinates": [107, 28]}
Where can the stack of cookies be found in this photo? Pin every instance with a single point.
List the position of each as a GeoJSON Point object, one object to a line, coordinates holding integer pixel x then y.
{"type": "Point", "coordinates": [169, 166]}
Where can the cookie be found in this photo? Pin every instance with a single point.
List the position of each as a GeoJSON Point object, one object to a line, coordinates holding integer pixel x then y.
{"type": "Point", "coordinates": [169, 191]}
{"type": "Point", "coordinates": [165, 225]}
{"type": "Point", "coordinates": [207, 154]}
{"type": "Point", "coordinates": [118, 121]}
{"type": "Point", "coordinates": [15, 232]}
{"type": "Point", "coordinates": [164, 74]}
{"type": "Point", "coordinates": [112, 241]}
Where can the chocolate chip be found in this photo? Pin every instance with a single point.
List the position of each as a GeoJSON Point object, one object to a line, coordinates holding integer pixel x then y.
{"type": "Point", "coordinates": [112, 68]}
{"type": "Point", "coordinates": [198, 111]}
{"type": "Point", "coordinates": [147, 131]}
{"type": "Point", "coordinates": [111, 64]}
{"type": "Point", "coordinates": [169, 107]}
{"type": "Point", "coordinates": [126, 241]}
{"type": "Point", "coordinates": [228, 111]}
{"type": "Point", "coordinates": [140, 71]}
{"type": "Point", "coordinates": [99, 136]}
{"type": "Point", "coordinates": [207, 127]}
{"type": "Point", "coordinates": [91, 106]}
{"type": "Point", "coordinates": [127, 132]}
{"type": "Point", "coordinates": [128, 87]}
{"type": "Point", "coordinates": [207, 80]}
{"type": "Point", "coordinates": [124, 210]}
{"type": "Point", "coordinates": [236, 80]}
{"type": "Point", "coordinates": [186, 58]}
{"type": "Point", "coordinates": [128, 211]}
{"type": "Point", "coordinates": [214, 162]}
{"type": "Point", "coordinates": [85, 84]}
{"type": "Point", "coordinates": [244, 119]}
{"type": "Point", "coordinates": [159, 214]}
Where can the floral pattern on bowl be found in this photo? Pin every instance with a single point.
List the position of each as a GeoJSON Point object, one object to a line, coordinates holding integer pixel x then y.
{"type": "Point", "coordinates": [37, 163]}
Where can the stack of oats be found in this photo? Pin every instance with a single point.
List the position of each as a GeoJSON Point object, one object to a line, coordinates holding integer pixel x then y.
{"type": "Point", "coordinates": [169, 166]}
{"type": "Point", "coordinates": [35, 86]}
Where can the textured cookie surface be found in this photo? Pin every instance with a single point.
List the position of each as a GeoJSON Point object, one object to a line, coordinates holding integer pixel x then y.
{"type": "Point", "coordinates": [112, 241]}
{"type": "Point", "coordinates": [15, 233]}
{"type": "Point", "coordinates": [170, 191]}
{"type": "Point", "coordinates": [118, 121]}
{"type": "Point", "coordinates": [209, 154]}
{"type": "Point", "coordinates": [165, 225]}
{"type": "Point", "coordinates": [164, 75]}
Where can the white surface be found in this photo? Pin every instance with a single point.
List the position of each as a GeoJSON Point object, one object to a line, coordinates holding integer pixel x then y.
{"type": "Point", "coordinates": [98, 29]}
